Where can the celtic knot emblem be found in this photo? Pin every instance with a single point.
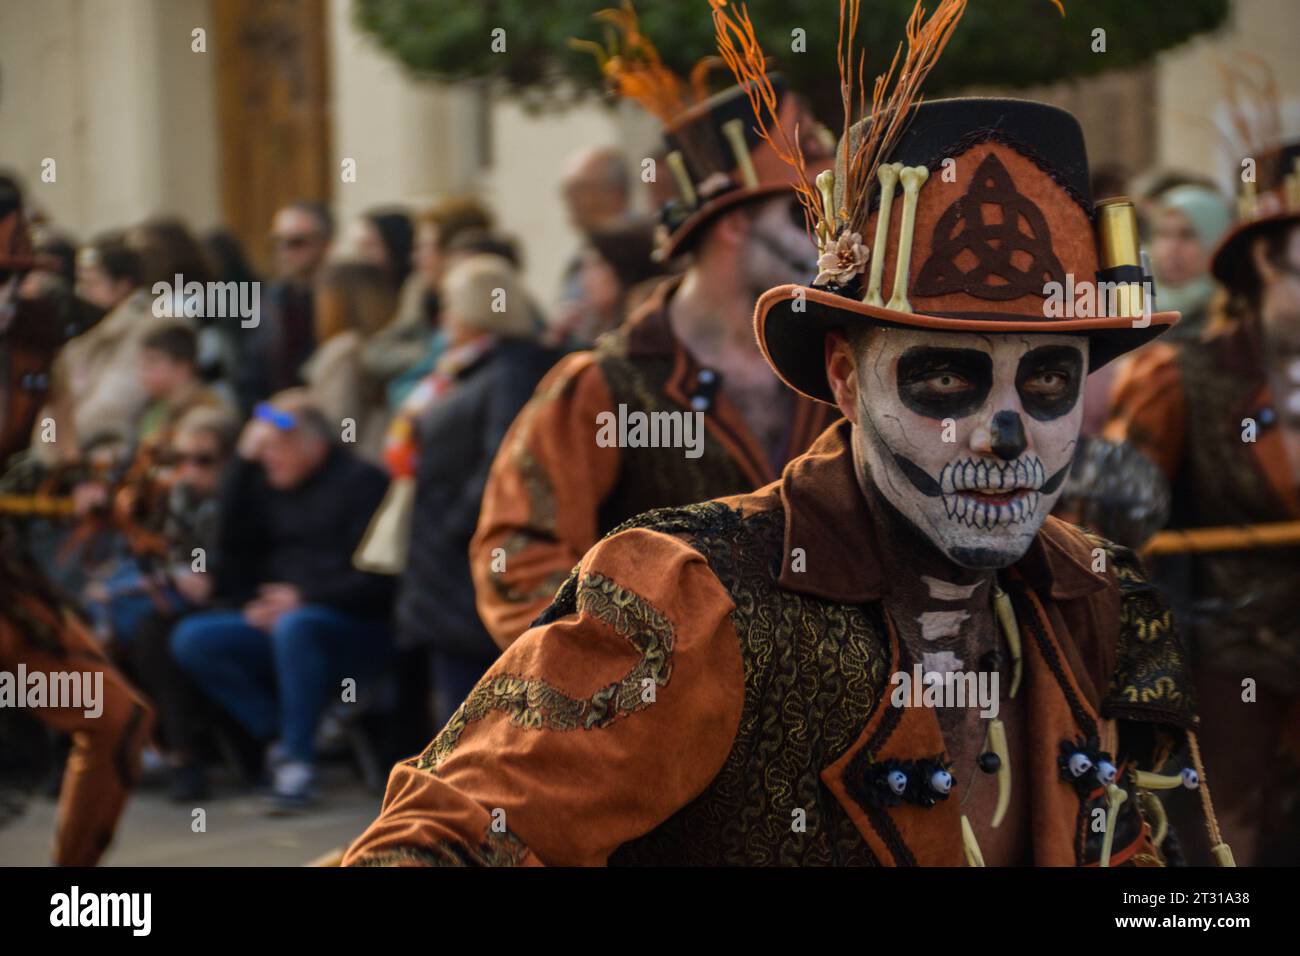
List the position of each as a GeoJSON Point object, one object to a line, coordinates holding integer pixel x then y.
{"type": "Point", "coordinates": [1015, 248]}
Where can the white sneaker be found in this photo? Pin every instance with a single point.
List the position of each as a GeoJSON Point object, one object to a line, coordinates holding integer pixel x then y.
{"type": "Point", "coordinates": [294, 788]}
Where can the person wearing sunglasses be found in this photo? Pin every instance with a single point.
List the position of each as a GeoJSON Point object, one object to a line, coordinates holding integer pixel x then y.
{"type": "Point", "coordinates": [292, 619]}
{"type": "Point", "coordinates": [195, 460]}
{"type": "Point", "coordinates": [285, 335]}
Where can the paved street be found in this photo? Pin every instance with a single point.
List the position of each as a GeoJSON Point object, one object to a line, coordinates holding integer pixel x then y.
{"type": "Point", "coordinates": [156, 832]}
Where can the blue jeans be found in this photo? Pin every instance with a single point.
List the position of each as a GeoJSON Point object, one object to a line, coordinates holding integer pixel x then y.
{"type": "Point", "coordinates": [129, 602]}
{"type": "Point", "coordinates": [278, 685]}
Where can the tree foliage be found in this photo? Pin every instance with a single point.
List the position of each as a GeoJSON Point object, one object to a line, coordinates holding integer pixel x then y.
{"type": "Point", "coordinates": [1013, 43]}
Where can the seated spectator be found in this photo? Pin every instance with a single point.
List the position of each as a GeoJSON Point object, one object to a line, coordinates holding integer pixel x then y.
{"type": "Point", "coordinates": [199, 449]}
{"type": "Point", "coordinates": [301, 619]}
{"type": "Point", "coordinates": [444, 440]}
{"type": "Point", "coordinates": [123, 590]}
{"type": "Point", "coordinates": [168, 249]}
{"type": "Point", "coordinates": [169, 374]}
{"type": "Point", "coordinates": [96, 393]}
{"type": "Point", "coordinates": [351, 296]}
{"type": "Point", "coordinates": [271, 353]}
{"type": "Point", "coordinates": [464, 245]}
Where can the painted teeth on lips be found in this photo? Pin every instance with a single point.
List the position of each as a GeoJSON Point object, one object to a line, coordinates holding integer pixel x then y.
{"type": "Point", "coordinates": [992, 481]}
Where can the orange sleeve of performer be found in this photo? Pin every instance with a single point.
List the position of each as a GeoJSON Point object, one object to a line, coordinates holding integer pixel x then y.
{"type": "Point", "coordinates": [588, 732]}
{"type": "Point", "coordinates": [107, 740]}
{"type": "Point", "coordinates": [539, 513]}
{"type": "Point", "coordinates": [1147, 406]}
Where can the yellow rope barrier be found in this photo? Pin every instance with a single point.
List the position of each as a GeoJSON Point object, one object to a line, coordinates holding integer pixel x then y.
{"type": "Point", "coordinates": [1277, 534]}
{"type": "Point", "coordinates": [39, 506]}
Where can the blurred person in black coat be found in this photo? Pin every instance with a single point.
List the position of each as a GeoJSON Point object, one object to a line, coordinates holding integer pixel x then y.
{"type": "Point", "coordinates": [440, 448]}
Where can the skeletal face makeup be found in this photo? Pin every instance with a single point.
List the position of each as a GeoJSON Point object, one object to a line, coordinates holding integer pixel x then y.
{"type": "Point", "coordinates": [970, 436]}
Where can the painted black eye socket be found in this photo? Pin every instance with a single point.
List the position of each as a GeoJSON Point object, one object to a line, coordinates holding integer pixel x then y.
{"type": "Point", "coordinates": [1049, 379]}
{"type": "Point", "coordinates": [942, 382]}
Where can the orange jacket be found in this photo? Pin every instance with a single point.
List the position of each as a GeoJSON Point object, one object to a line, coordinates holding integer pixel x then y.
{"type": "Point", "coordinates": [691, 689]}
{"type": "Point", "coordinates": [553, 491]}
{"type": "Point", "coordinates": [104, 765]}
{"type": "Point", "coordinates": [1148, 409]}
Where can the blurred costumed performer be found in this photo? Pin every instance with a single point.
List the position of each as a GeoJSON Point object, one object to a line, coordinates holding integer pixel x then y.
{"type": "Point", "coordinates": [687, 351]}
{"type": "Point", "coordinates": [41, 637]}
{"type": "Point", "coordinates": [1220, 415]}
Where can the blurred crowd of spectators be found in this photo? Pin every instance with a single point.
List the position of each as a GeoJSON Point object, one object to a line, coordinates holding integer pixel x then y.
{"type": "Point", "coordinates": [272, 517]}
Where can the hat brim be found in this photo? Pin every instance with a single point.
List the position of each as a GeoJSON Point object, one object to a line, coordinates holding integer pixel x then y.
{"type": "Point", "coordinates": [793, 341]}
{"type": "Point", "coordinates": [679, 239]}
{"type": "Point", "coordinates": [1232, 249]}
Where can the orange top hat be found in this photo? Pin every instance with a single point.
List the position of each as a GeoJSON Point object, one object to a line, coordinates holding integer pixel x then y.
{"type": "Point", "coordinates": [716, 149]}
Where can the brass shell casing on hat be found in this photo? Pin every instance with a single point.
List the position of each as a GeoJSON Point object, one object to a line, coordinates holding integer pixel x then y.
{"type": "Point", "coordinates": [1119, 253]}
{"type": "Point", "coordinates": [1117, 233]}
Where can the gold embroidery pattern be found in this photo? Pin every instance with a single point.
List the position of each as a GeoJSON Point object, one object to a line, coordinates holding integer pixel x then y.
{"type": "Point", "coordinates": [538, 705]}
{"type": "Point", "coordinates": [513, 545]}
{"type": "Point", "coordinates": [537, 484]}
{"type": "Point", "coordinates": [1150, 681]}
{"type": "Point", "coordinates": [814, 673]}
{"type": "Point", "coordinates": [541, 499]}
{"type": "Point", "coordinates": [497, 849]}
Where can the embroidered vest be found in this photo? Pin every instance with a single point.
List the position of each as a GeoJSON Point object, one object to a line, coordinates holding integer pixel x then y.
{"type": "Point", "coordinates": [815, 672]}
{"type": "Point", "coordinates": [657, 477]}
{"type": "Point", "coordinates": [1258, 627]}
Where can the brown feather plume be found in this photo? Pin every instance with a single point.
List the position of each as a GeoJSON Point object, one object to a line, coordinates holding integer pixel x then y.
{"type": "Point", "coordinates": [893, 95]}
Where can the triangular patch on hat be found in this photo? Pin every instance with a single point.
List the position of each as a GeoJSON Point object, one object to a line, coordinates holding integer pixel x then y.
{"type": "Point", "coordinates": [1006, 258]}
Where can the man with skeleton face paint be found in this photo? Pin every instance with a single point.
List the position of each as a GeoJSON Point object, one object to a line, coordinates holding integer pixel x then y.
{"type": "Point", "coordinates": [721, 669]}
{"type": "Point", "coordinates": [969, 437]}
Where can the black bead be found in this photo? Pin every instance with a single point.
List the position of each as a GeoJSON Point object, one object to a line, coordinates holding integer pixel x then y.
{"type": "Point", "coordinates": [992, 661]}
{"type": "Point", "coordinates": [990, 762]}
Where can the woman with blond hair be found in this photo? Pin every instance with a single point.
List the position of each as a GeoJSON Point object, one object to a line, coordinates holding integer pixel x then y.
{"type": "Point", "coordinates": [352, 302]}
{"type": "Point", "coordinates": [439, 450]}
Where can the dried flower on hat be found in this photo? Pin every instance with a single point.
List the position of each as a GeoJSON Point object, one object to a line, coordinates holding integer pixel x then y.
{"type": "Point", "coordinates": [841, 259]}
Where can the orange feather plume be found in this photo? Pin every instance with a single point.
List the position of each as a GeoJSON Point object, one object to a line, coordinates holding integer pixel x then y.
{"type": "Point", "coordinates": [631, 64]}
{"type": "Point", "coordinates": [895, 92]}
{"type": "Point", "coordinates": [893, 96]}
{"type": "Point", "coordinates": [740, 50]}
